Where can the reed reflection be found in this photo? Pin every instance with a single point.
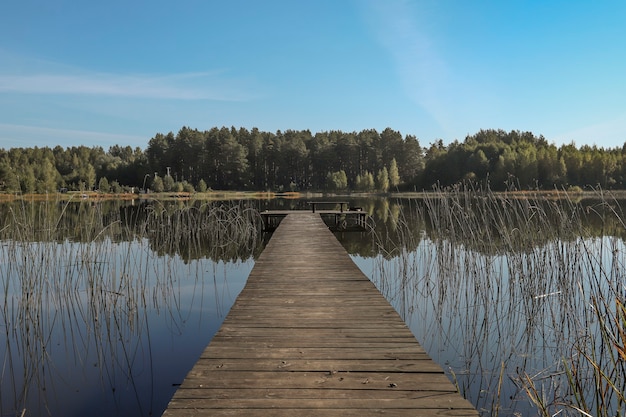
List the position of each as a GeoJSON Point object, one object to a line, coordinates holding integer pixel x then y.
{"type": "Point", "coordinates": [101, 313]}
{"type": "Point", "coordinates": [520, 299]}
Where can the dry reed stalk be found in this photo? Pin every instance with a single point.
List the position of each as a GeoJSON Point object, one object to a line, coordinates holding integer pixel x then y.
{"type": "Point", "coordinates": [94, 288]}
{"type": "Point", "coordinates": [522, 271]}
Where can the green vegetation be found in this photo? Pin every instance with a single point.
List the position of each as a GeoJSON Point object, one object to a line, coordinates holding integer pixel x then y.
{"type": "Point", "coordinates": [241, 159]}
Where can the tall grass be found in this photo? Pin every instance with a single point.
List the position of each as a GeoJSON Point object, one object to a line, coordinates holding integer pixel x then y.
{"type": "Point", "coordinates": [520, 297]}
{"type": "Point", "coordinates": [220, 230]}
{"type": "Point", "coordinates": [79, 281]}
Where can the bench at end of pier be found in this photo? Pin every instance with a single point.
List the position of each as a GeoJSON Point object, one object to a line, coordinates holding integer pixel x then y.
{"type": "Point", "coordinates": [342, 204]}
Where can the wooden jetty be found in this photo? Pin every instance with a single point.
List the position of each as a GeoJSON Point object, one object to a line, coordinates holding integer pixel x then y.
{"type": "Point", "coordinates": [310, 335]}
{"type": "Point", "coordinates": [344, 219]}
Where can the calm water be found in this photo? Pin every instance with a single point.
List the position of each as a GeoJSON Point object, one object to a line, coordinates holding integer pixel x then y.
{"type": "Point", "coordinates": [104, 314]}
{"type": "Point", "coordinates": [76, 353]}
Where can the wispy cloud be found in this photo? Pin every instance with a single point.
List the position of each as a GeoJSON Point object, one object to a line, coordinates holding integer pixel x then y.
{"type": "Point", "coordinates": [203, 86]}
{"type": "Point", "coordinates": [420, 69]}
{"type": "Point", "coordinates": [14, 135]}
{"type": "Point", "coordinates": [436, 86]}
{"type": "Point", "coordinates": [49, 78]}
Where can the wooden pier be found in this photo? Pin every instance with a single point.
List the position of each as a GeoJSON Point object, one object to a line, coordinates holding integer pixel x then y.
{"type": "Point", "coordinates": [310, 335]}
{"type": "Point", "coordinates": [344, 219]}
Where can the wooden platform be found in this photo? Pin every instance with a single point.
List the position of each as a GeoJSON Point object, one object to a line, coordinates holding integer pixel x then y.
{"type": "Point", "coordinates": [336, 220]}
{"type": "Point", "coordinates": [310, 335]}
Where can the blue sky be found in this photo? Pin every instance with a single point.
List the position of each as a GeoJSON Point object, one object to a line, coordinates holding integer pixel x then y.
{"type": "Point", "coordinates": [118, 72]}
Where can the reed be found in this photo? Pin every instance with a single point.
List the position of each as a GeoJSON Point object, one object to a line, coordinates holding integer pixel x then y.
{"type": "Point", "coordinates": [220, 229]}
{"type": "Point", "coordinates": [526, 292]}
{"type": "Point", "coordinates": [79, 281]}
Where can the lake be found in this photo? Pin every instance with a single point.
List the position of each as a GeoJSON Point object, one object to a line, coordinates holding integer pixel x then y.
{"type": "Point", "coordinates": [108, 304]}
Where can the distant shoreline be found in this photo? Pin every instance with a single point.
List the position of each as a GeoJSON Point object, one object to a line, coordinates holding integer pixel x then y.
{"type": "Point", "coordinates": [270, 195]}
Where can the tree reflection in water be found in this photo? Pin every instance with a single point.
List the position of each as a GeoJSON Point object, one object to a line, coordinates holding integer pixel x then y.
{"type": "Point", "coordinates": [517, 298]}
{"type": "Point", "coordinates": [106, 306]}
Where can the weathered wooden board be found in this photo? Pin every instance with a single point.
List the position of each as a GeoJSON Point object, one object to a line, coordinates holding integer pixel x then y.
{"type": "Point", "coordinates": [310, 335]}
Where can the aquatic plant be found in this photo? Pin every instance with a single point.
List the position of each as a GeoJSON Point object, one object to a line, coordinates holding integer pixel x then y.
{"type": "Point", "coordinates": [523, 289]}
{"type": "Point", "coordinates": [79, 280]}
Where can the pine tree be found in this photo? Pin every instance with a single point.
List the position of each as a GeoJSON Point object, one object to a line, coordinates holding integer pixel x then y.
{"type": "Point", "coordinates": [202, 187]}
{"type": "Point", "coordinates": [103, 185]}
{"type": "Point", "coordinates": [394, 176]}
{"type": "Point", "coordinates": [382, 180]}
{"type": "Point", "coordinates": [157, 184]}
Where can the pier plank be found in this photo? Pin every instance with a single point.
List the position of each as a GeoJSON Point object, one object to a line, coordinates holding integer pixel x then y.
{"type": "Point", "coordinates": [310, 335]}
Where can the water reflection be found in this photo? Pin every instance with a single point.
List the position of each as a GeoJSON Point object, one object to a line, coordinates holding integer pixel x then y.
{"type": "Point", "coordinates": [107, 305]}
{"type": "Point", "coordinates": [502, 294]}
{"type": "Point", "coordinates": [104, 317]}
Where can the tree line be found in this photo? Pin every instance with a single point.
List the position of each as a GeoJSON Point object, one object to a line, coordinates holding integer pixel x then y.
{"type": "Point", "coordinates": [298, 160]}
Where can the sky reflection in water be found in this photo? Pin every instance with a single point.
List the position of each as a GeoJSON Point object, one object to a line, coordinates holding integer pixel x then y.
{"type": "Point", "coordinates": [121, 345]}
{"type": "Point", "coordinates": [75, 352]}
